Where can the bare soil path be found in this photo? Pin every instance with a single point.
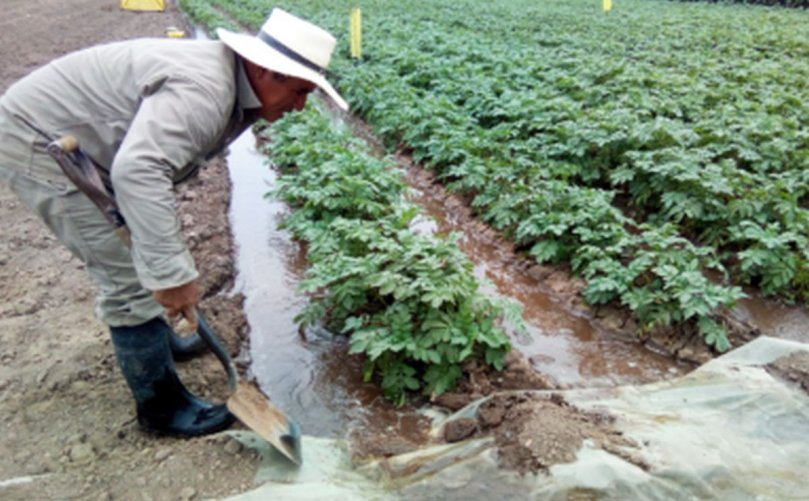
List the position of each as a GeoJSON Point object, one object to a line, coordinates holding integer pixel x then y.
{"type": "Point", "coordinates": [67, 428]}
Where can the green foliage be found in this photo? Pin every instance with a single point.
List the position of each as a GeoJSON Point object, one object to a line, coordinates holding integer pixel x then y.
{"type": "Point", "coordinates": [713, 333]}
{"type": "Point", "coordinates": [670, 286]}
{"type": "Point", "coordinates": [773, 257]}
{"type": "Point", "coordinates": [798, 4]}
{"type": "Point", "coordinates": [204, 14]}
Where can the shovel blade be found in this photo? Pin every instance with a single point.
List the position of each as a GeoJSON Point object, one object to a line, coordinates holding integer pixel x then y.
{"type": "Point", "coordinates": [257, 413]}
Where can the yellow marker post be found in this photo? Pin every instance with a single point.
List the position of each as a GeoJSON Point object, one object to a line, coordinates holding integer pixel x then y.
{"type": "Point", "coordinates": [607, 4]}
{"type": "Point", "coordinates": [153, 5]}
{"type": "Point", "coordinates": [174, 32]}
{"type": "Point", "coordinates": [356, 33]}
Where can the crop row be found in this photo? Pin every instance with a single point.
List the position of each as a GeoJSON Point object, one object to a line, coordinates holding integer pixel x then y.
{"type": "Point", "coordinates": [587, 145]}
{"type": "Point", "coordinates": [203, 13]}
{"type": "Point", "coordinates": [410, 301]}
{"type": "Point", "coordinates": [799, 4]}
{"type": "Point", "coordinates": [643, 148]}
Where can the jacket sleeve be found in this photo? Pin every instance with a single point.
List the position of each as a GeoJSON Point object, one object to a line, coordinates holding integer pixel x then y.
{"type": "Point", "coordinates": [172, 127]}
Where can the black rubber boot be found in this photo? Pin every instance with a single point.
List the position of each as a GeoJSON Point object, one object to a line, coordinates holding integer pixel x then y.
{"type": "Point", "coordinates": [185, 348]}
{"type": "Point", "coordinates": [163, 403]}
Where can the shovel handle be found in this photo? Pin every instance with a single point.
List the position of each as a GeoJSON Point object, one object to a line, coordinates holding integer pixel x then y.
{"type": "Point", "coordinates": [68, 144]}
{"type": "Point", "coordinates": [218, 349]}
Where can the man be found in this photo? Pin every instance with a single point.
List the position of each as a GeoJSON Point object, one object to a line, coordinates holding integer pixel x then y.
{"type": "Point", "coordinates": [147, 112]}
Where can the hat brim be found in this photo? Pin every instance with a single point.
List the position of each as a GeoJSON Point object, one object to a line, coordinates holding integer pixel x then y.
{"type": "Point", "coordinates": [258, 52]}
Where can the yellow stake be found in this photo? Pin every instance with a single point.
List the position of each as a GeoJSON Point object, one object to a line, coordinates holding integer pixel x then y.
{"type": "Point", "coordinates": [173, 32]}
{"type": "Point", "coordinates": [356, 33]}
{"type": "Point", "coordinates": [607, 4]}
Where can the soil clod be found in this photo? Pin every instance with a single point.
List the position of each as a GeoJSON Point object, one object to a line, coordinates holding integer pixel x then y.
{"type": "Point", "coordinates": [793, 368]}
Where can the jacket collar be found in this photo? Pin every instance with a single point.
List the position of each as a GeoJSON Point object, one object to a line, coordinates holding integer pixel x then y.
{"type": "Point", "coordinates": [245, 97]}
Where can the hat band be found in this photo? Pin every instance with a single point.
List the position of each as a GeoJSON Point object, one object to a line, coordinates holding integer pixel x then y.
{"type": "Point", "coordinates": [283, 49]}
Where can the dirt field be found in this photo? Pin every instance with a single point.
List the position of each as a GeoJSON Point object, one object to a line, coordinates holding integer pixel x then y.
{"type": "Point", "coordinates": [67, 418]}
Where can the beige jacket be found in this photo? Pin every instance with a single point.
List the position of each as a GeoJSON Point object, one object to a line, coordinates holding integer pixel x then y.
{"type": "Point", "coordinates": [147, 112]}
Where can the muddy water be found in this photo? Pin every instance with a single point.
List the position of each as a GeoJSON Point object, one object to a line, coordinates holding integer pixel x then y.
{"type": "Point", "coordinates": [567, 345]}
{"type": "Point", "coordinates": [774, 319]}
{"type": "Point", "coordinates": [308, 375]}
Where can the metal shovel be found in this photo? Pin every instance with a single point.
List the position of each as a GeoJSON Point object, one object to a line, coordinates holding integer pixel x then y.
{"type": "Point", "coordinates": [245, 401]}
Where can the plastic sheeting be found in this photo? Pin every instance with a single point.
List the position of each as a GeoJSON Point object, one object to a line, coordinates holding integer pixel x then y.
{"type": "Point", "coordinates": [728, 430]}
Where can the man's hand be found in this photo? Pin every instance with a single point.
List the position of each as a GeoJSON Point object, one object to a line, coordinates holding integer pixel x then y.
{"type": "Point", "coordinates": [180, 301]}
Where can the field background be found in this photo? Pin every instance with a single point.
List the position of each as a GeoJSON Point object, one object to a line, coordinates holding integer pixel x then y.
{"type": "Point", "coordinates": [660, 151]}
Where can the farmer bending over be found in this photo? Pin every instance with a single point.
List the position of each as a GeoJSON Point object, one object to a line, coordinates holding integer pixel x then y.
{"type": "Point", "coordinates": [148, 112]}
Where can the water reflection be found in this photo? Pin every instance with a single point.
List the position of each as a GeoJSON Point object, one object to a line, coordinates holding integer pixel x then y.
{"type": "Point", "coordinates": [310, 377]}
{"type": "Point", "coordinates": [774, 319]}
{"type": "Point", "coordinates": [565, 345]}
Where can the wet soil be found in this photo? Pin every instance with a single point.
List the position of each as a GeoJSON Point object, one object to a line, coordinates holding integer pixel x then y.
{"type": "Point", "coordinates": [479, 380]}
{"type": "Point", "coordinates": [533, 432]}
{"type": "Point", "coordinates": [683, 344]}
{"type": "Point", "coordinates": [793, 368]}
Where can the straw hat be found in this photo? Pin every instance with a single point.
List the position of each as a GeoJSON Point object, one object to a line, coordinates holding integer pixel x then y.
{"type": "Point", "coordinates": [288, 45]}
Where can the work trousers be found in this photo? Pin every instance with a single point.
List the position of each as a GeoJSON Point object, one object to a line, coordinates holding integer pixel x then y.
{"type": "Point", "coordinates": [39, 183]}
